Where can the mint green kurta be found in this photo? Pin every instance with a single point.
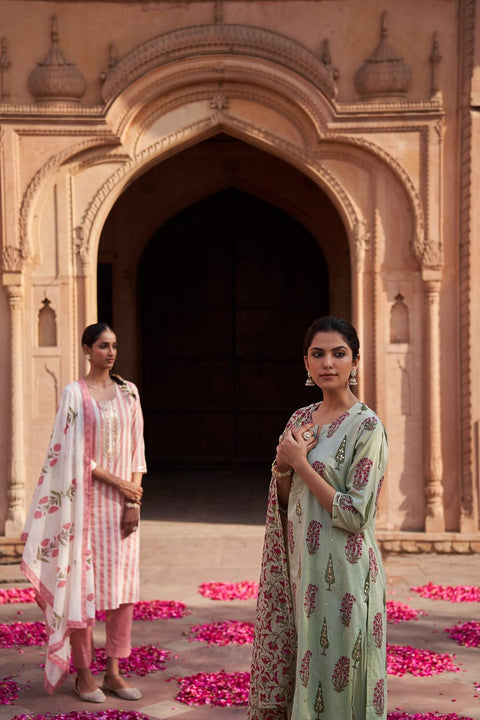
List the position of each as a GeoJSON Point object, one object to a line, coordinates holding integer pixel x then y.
{"type": "Point", "coordinates": [336, 574]}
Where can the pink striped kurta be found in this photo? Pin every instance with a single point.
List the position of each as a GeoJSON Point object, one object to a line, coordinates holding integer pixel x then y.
{"type": "Point", "coordinates": [119, 448]}
{"type": "Point", "coordinates": [75, 554]}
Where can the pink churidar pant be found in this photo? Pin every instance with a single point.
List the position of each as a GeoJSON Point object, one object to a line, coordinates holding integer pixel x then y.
{"type": "Point", "coordinates": [118, 630]}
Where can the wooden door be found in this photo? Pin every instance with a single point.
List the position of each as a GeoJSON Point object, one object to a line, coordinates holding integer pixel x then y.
{"type": "Point", "coordinates": [227, 290]}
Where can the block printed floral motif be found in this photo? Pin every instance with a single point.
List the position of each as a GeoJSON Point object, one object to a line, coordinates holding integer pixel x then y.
{"type": "Point", "coordinates": [324, 637]}
{"type": "Point", "coordinates": [377, 630]}
{"type": "Point", "coordinates": [362, 472]}
{"type": "Point", "coordinates": [329, 574]}
{"type": "Point", "coordinates": [357, 650]}
{"type": "Point", "coordinates": [71, 417]}
{"type": "Point", "coordinates": [291, 539]}
{"type": "Point", "coordinates": [319, 706]}
{"type": "Point", "coordinates": [370, 423]}
{"type": "Point", "coordinates": [333, 427]}
{"type": "Point", "coordinates": [346, 608]}
{"type": "Point", "coordinates": [298, 510]}
{"type": "Point", "coordinates": [49, 504]}
{"type": "Point", "coordinates": [354, 547]}
{"type": "Point", "coordinates": [312, 539]}
{"type": "Point", "coordinates": [373, 564]}
{"type": "Point", "coordinates": [341, 674]}
{"type": "Point", "coordinates": [319, 467]}
{"type": "Point", "coordinates": [340, 454]}
{"type": "Point", "coordinates": [379, 697]}
{"type": "Point", "coordinates": [310, 600]}
{"type": "Point", "coordinates": [305, 668]}
{"type": "Point", "coordinates": [346, 503]}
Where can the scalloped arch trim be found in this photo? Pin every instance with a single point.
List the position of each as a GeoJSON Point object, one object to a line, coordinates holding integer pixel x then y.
{"type": "Point", "coordinates": [204, 40]}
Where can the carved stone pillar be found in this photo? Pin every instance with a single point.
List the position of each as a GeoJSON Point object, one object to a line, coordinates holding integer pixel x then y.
{"type": "Point", "coordinates": [362, 245]}
{"type": "Point", "coordinates": [16, 467]}
{"type": "Point", "coordinates": [433, 465]}
{"type": "Point", "coordinates": [86, 314]}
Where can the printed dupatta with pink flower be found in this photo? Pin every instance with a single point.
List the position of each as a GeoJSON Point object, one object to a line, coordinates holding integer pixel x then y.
{"type": "Point", "coordinates": [57, 557]}
{"type": "Point", "coordinates": [274, 644]}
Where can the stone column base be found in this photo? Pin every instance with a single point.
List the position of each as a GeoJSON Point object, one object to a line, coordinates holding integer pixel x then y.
{"type": "Point", "coordinates": [11, 550]}
{"type": "Point", "coordinates": [398, 541]}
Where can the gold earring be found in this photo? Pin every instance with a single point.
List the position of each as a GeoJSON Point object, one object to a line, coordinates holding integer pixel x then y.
{"type": "Point", "coordinates": [309, 382]}
{"type": "Point", "coordinates": [352, 380]}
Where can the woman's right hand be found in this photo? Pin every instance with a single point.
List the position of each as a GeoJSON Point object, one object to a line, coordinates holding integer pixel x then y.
{"type": "Point", "coordinates": [132, 492]}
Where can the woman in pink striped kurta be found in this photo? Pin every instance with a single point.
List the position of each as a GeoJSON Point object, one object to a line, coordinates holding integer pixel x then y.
{"type": "Point", "coordinates": [81, 545]}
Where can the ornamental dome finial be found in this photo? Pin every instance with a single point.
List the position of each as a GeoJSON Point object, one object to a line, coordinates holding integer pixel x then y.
{"type": "Point", "coordinates": [384, 75]}
{"type": "Point", "coordinates": [55, 80]}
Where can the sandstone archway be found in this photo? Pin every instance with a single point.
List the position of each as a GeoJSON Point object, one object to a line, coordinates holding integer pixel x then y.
{"type": "Point", "coordinates": [238, 220]}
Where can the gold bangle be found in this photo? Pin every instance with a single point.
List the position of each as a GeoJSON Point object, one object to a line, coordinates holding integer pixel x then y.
{"type": "Point", "coordinates": [280, 474]}
{"type": "Point", "coordinates": [132, 505]}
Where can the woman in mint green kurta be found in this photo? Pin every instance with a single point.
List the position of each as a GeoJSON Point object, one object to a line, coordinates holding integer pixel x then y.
{"type": "Point", "coordinates": [320, 648]}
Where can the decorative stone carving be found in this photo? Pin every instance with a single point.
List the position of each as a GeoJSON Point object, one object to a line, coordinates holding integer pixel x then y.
{"type": "Point", "coordinates": [112, 61]}
{"type": "Point", "coordinates": [47, 325]}
{"type": "Point", "coordinates": [55, 80]}
{"type": "Point", "coordinates": [327, 60]}
{"type": "Point", "coordinates": [399, 321]}
{"type": "Point", "coordinates": [435, 59]}
{"type": "Point", "coordinates": [4, 66]}
{"type": "Point", "coordinates": [215, 39]}
{"type": "Point", "coordinates": [80, 246]}
{"type": "Point", "coordinates": [362, 245]}
{"type": "Point", "coordinates": [12, 259]}
{"type": "Point", "coordinates": [384, 75]}
{"type": "Point", "coordinates": [219, 101]}
{"type": "Point", "coordinates": [218, 11]}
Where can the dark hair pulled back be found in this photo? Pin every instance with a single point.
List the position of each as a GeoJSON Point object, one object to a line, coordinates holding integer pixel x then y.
{"type": "Point", "coordinates": [89, 336]}
{"type": "Point", "coordinates": [93, 332]}
{"type": "Point", "coordinates": [330, 323]}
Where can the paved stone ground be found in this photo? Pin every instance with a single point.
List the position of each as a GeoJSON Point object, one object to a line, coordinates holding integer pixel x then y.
{"type": "Point", "coordinates": [196, 531]}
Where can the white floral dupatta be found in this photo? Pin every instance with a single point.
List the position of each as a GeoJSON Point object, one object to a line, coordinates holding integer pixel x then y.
{"type": "Point", "coordinates": [57, 558]}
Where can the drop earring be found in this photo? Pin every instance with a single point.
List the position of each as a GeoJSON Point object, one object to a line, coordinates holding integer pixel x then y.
{"type": "Point", "coordinates": [309, 382]}
{"type": "Point", "coordinates": [352, 380]}
{"type": "Point", "coordinates": [89, 357]}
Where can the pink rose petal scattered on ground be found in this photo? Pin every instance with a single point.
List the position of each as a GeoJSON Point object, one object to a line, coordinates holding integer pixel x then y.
{"type": "Point", "coordinates": [467, 633]}
{"type": "Point", "coordinates": [403, 659]}
{"type": "Point", "coordinates": [22, 633]}
{"type": "Point", "coordinates": [452, 593]}
{"type": "Point", "coordinates": [9, 691]}
{"type": "Point", "coordinates": [229, 591]}
{"type": "Point", "coordinates": [399, 715]}
{"type": "Point", "coordinates": [397, 611]}
{"type": "Point", "coordinates": [143, 660]}
{"type": "Point", "coordinates": [154, 610]}
{"type": "Point", "coordinates": [86, 715]}
{"type": "Point", "coordinates": [17, 595]}
{"type": "Point", "coordinates": [220, 689]}
{"type": "Point", "coordinates": [230, 632]}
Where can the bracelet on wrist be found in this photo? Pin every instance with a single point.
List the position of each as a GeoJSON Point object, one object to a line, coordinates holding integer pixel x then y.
{"type": "Point", "coordinates": [279, 474]}
{"type": "Point", "coordinates": [132, 505]}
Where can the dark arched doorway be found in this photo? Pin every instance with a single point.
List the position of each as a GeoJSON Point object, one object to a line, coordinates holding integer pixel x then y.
{"type": "Point", "coordinates": [226, 290]}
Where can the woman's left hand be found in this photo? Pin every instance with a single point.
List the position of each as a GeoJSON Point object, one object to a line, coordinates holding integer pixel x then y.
{"type": "Point", "coordinates": [130, 491]}
{"type": "Point", "coordinates": [131, 518]}
{"type": "Point", "coordinates": [295, 446]}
